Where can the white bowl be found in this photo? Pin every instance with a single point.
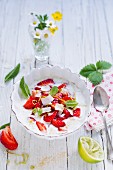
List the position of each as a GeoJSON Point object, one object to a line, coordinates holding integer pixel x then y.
{"type": "Point", "coordinates": [83, 98]}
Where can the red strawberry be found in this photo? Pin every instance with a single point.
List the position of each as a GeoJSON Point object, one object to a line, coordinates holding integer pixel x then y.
{"type": "Point", "coordinates": [50, 118]}
{"type": "Point", "coordinates": [38, 104]}
{"type": "Point", "coordinates": [65, 98]}
{"type": "Point", "coordinates": [31, 102]}
{"type": "Point", "coordinates": [37, 88]}
{"type": "Point", "coordinates": [76, 112]}
{"type": "Point", "coordinates": [41, 126]}
{"type": "Point", "coordinates": [7, 139]}
{"type": "Point", "coordinates": [44, 94]}
{"type": "Point", "coordinates": [45, 82]}
{"type": "Point", "coordinates": [58, 123]}
{"type": "Point", "coordinates": [62, 86]}
{"type": "Point", "coordinates": [67, 113]}
{"type": "Point", "coordinates": [58, 96]}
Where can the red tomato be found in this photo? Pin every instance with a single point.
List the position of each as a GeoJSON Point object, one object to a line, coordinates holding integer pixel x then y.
{"type": "Point", "coordinates": [7, 139]}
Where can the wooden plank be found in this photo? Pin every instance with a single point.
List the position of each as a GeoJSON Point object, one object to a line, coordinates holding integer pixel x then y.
{"type": "Point", "coordinates": [42, 153]}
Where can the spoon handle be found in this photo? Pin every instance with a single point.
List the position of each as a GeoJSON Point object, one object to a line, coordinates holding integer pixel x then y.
{"type": "Point", "coordinates": [109, 144]}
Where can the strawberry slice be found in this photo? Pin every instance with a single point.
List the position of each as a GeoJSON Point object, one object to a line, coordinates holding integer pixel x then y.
{"type": "Point", "coordinates": [62, 86]}
{"type": "Point", "coordinates": [38, 104]}
{"type": "Point", "coordinates": [37, 88]}
{"type": "Point", "coordinates": [31, 102]}
{"type": "Point", "coordinates": [45, 82]}
{"type": "Point", "coordinates": [7, 139]}
{"type": "Point", "coordinates": [67, 113]}
{"type": "Point", "coordinates": [65, 98]}
{"type": "Point", "coordinates": [76, 112]}
{"type": "Point", "coordinates": [41, 126]}
{"type": "Point", "coordinates": [58, 123]}
{"type": "Point", "coordinates": [50, 118]}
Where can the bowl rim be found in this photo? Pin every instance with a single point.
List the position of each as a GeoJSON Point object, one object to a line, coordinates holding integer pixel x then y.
{"type": "Point", "coordinates": [63, 135]}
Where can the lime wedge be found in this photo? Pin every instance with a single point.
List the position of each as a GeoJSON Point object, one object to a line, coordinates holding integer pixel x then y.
{"type": "Point", "coordinates": [90, 150]}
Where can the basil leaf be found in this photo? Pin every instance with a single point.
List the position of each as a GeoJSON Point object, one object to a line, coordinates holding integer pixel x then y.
{"type": "Point", "coordinates": [87, 70]}
{"type": "Point", "coordinates": [39, 112]}
{"type": "Point", "coordinates": [5, 125]}
{"type": "Point", "coordinates": [24, 88]}
{"type": "Point", "coordinates": [95, 77]}
{"type": "Point", "coordinates": [103, 65]}
{"type": "Point", "coordinates": [54, 91]}
{"type": "Point", "coordinates": [71, 103]}
{"type": "Point", "coordinates": [12, 74]}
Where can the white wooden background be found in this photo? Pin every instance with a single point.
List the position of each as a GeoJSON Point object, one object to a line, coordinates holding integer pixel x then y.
{"type": "Point", "coordinates": [85, 35]}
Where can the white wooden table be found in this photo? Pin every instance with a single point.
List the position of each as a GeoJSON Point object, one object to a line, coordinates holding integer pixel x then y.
{"type": "Point", "coordinates": [85, 35]}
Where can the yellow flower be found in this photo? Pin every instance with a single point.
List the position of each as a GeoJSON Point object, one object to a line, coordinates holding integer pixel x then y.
{"type": "Point", "coordinates": [53, 29]}
{"type": "Point", "coordinates": [57, 16]}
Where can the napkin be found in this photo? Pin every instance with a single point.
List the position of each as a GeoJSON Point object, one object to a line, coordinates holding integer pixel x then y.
{"type": "Point", "coordinates": [95, 120]}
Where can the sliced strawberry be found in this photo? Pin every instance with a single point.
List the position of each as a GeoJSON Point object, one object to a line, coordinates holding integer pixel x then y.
{"type": "Point", "coordinates": [58, 96]}
{"type": "Point", "coordinates": [76, 112]}
{"type": "Point", "coordinates": [41, 126]}
{"type": "Point", "coordinates": [58, 123]}
{"type": "Point", "coordinates": [31, 102]}
{"type": "Point", "coordinates": [37, 88]}
{"type": "Point", "coordinates": [50, 118]}
{"type": "Point", "coordinates": [67, 113]}
{"type": "Point", "coordinates": [65, 98]}
{"type": "Point", "coordinates": [45, 82]}
{"type": "Point", "coordinates": [62, 86]}
{"type": "Point", "coordinates": [38, 104]}
{"type": "Point", "coordinates": [44, 94]}
{"type": "Point", "coordinates": [7, 139]}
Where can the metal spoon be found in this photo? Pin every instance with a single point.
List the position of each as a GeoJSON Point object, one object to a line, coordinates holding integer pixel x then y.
{"type": "Point", "coordinates": [101, 103]}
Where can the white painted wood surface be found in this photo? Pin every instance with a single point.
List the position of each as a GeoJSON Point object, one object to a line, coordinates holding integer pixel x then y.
{"type": "Point", "coordinates": [85, 35]}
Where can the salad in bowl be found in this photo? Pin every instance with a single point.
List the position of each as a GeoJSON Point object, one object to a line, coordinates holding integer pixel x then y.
{"type": "Point", "coordinates": [58, 103]}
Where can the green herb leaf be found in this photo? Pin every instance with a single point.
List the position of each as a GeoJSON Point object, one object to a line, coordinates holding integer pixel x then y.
{"type": "Point", "coordinates": [34, 110]}
{"type": "Point", "coordinates": [39, 112]}
{"type": "Point", "coordinates": [95, 77]}
{"type": "Point", "coordinates": [87, 70]}
{"type": "Point", "coordinates": [71, 103]}
{"type": "Point", "coordinates": [24, 88]}
{"type": "Point", "coordinates": [45, 17]}
{"type": "Point", "coordinates": [5, 125]}
{"type": "Point", "coordinates": [41, 26]}
{"type": "Point", "coordinates": [54, 91]}
{"type": "Point", "coordinates": [103, 65]}
{"type": "Point", "coordinates": [12, 74]}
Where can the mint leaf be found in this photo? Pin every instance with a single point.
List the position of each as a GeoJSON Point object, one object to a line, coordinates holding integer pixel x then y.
{"type": "Point", "coordinates": [71, 103]}
{"type": "Point", "coordinates": [103, 65]}
{"type": "Point", "coordinates": [24, 88]}
{"type": "Point", "coordinates": [54, 91]}
{"type": "Point", "coordinates": [39, 112]}
{"type": "Point", "coordinates": [87, 70]}
{"type": "Point", "coordinates": [45, 17]}
{"type": "Point", "coordinates": [95, 77]}
{"type": "Point", "coordinates": [34, 110]}
{"type": "Point", "coordinates": [5, 125]}
{"type": "Point", "coordinates": [12, 74]}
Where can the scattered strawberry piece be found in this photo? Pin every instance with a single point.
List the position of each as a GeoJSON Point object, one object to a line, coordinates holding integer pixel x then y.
{"type": "Point", "coordinates": [65, 98]}
{"type": "Point", "coordinates": [62, 86]}
{"type": "Point", "coordinates": [38, 104]}
{"type": "Point", "coordinates": [41, 126]}
{"type": "Point", "coordinates": [45, 82]}
{"type": "Point", "coordinates": [31, 102]}
{"type": "Point", "coordinates": [58, 123]}
{"type": "Point", "coordinates": [67, 113]}
{"type": "Point", "coordinates": [37, 88]}
{"type": "Point", "coordinates": [76, 112]}
{"type": "Point", "coordinates": [50, 118]}
{"type": "Point", "coordinates": [44, 94]}
{"type": "Point", "coordinates": [7, 139]}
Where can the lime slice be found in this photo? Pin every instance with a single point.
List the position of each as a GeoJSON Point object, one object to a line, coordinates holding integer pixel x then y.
{"type": "Point", "coordinates": [90, 150]}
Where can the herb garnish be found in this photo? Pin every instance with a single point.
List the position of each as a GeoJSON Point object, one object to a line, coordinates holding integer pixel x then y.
{"type": "Point", "coordinates": [94, 72]}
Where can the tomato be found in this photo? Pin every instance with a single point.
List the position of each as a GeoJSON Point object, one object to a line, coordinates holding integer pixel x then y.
{"type": "Point", "coordinates": [7, 139]}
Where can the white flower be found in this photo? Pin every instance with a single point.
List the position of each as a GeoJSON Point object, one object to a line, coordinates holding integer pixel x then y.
{"type": "Point", "coordinates": [37, 34]}
{"type": "Point", "coordinates": [50, 23]}
{"type": "Point", "coordinates": [46, 34]}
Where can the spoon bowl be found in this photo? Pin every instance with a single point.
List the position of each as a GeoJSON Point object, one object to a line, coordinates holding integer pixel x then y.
{"type": "Point", "coordinates": [100, 99]}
